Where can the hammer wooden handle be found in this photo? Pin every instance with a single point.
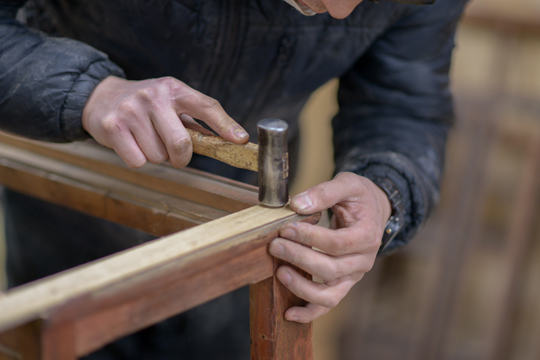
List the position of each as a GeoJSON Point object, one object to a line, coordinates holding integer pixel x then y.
{"type": "Point", "coordinates": [243, 156]}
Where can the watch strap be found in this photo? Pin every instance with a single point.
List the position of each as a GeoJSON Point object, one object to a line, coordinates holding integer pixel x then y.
{"type": "Point", "coordinates": [396, 220]}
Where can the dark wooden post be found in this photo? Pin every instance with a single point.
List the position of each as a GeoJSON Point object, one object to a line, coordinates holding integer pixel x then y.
{"type": "Point", "coordinates": [38, 341]}
{"type": "Point", "coordinates": [273, 337]}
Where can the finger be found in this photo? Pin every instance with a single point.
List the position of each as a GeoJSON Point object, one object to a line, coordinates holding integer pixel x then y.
{"type": "Point", "coordinates": [149, 141]}
{"type": "Point", "coordinates": [360, 238]}
{"type": "Point", "coordinates": [319, 264]}
{"type": "Point", "coordinates": [127, 148]}
{"type": "Point", "coordinates": [209, 110]}
{"type": "Point", "coordinates": [190, 123]}
{"type": "Point", "coordinates": [320, 294]}
{"type": "Point", "coordinates": [174, 135]}
{"type": "Point", "coordinates": [305, 314]}
{"type": "Point", "coordinates": [328, 194]}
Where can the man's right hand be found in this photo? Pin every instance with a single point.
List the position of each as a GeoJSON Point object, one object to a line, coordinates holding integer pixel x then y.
{"type": "Point", "coordinates": [146, 120]}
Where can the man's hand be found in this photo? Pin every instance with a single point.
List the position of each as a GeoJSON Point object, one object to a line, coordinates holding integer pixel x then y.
{"type": "Point", "coordinates": [146, 120]}
{"type": "Point", "coordinates": [361, 210]}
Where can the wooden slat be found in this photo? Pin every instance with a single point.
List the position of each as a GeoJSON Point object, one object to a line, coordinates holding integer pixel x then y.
{"type": "Point", "coordinates": [21, 343]}
{"type": "Point", "coordinates": [273, 337]}
{"type": "Point", "coordinates": [58, 342]}
{"type": "Point", "coordinates": [189, 184]}
{"type": "Point", "coordinates": [84, 308]}
{"type": "Point", "coordinates": [155, 270]}
{"type": "Point", "coordinates": [99, 195]}
{"type": "Point", "coordinates": [174, 295]}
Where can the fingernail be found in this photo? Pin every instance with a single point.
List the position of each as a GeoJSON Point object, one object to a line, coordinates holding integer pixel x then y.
{"type": "Point", "coordinates": [285, 277]}
{"type": "Point", "coordinates": [288, 233]}
{"type": "Point", "coordinates": [293, 318]}
{"type": "Point", "coordinates": [241, 133]}
{"type": "Point", "coordinates": [276, 249]}
{"type": "Point", "coordinates": [302, 202]}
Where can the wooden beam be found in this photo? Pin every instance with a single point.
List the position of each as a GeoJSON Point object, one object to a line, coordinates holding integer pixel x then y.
{"type": "Point", "coordinates": [188, 184]}
{"type": "Point", "coordinates": [148, 283]}
{"type": "Point", "coordinates": [272, 336]}
{"type": "Point", "coordinates": [99, 195]}
{"type": "Point", "coordinates": [78, 311]}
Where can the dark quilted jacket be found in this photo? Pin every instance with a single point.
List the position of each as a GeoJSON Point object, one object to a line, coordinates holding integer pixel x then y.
{"type": "Point", "coordinates": [259, 58]}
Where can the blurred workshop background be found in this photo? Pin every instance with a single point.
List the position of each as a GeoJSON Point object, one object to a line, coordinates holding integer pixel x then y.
{"type": "Point", "coordinates": [468, 287]}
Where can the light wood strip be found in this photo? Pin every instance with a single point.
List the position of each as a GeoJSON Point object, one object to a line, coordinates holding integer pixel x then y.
{"type": "Point", "coordinates": [32, 300]}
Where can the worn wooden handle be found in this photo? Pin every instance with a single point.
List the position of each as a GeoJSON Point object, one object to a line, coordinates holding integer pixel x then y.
{"type": "Point", "coordinates": [243, 156]}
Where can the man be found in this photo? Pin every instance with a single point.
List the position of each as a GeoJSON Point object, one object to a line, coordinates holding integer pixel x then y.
{"type": "Point", "coordinates": [230, 63]}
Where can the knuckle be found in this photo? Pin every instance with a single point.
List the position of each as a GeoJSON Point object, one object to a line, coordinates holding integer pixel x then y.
{"type": "Point", "coordinates": [169, 83]}
{"type": "Point", "coordinates": [181, 143]}
{"type": "Point", "coordinates": [207, 103]}
{"type": "Point", "coordinates": [294, 255]}
{"type": "Point", "coordinates": [332, 272]}
{"type": "Point", "coordinates": [331, 302]}
{"type": "Point", "coordinates": [111, 125]}
{"type": "Point", "coordinates": [306, 233]}
{"type": "Point", "coordinates": [174, 88]}
{"type": "Point", "coordinates": [148, 93]}
{"type": "Point", "coordinates": [181, 150]}
{"type": "Point", "coordinates": [128, 106]}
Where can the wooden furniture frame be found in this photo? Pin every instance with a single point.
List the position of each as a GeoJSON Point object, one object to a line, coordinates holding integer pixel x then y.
{"type": "Point", "coordinates": [75, 312]}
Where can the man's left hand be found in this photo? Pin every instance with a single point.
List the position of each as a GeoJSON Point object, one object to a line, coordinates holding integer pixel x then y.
{"type": "Point", "coordinates": [347, 250]}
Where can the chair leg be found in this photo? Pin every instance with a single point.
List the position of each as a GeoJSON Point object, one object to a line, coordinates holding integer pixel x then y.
{"type": "Point", "coordinates": [273, 337]}
{"type": "Point", "coordinates": [37, 341]}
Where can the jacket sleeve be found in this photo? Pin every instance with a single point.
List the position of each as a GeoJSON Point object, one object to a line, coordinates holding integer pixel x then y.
{"type": "Point", "coordinates": [396, 110]}
{"type": "Point", "coordinates": [45, 81]}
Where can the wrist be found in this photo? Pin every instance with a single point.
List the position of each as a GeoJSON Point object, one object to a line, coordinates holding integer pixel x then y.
{"type": "Point", "coordinates": [396, 219]}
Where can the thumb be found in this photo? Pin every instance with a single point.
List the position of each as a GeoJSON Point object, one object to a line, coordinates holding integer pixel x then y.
{"type": "Point", "coordinates": [325, 195]}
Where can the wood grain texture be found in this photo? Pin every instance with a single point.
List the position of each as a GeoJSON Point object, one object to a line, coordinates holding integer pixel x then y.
{"type": "Point", "coordinates": [273, 337]}
{"type": "Point", "coordinates": [124, 271]}
{"type": "Point", "coordinates": [243, 156]}
{"type": "Point", "coordinates": [99, 195]}
{"type": "Point", "coordinates": [82, 309]}
{"type": "Point", "coordinates": [189, 184]}
{"type": "Point", "coordinates": [22, 343]}
{"type": "Point", "coordinates": [174, 295]}
{"type": "Point", "coordinates": [58, 342]}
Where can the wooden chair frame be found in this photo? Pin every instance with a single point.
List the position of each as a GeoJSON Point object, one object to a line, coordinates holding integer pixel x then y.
{"type": "Point", "coordinates": [75, 312]}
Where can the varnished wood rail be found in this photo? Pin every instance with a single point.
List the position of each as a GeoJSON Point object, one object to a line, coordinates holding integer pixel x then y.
{"type": "Point", "coordinates": [75, 312]}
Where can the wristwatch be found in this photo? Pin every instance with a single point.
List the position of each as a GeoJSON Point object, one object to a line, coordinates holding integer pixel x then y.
{"type": "Point", "coordinates": [396, 220]}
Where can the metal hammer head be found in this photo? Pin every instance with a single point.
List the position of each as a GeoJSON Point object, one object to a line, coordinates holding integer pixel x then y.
{"type": "Point", "coordinates": [273, 162]}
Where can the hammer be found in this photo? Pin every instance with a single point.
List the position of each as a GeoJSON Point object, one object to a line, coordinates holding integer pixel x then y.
{"type": "Point", "coordinates": [270, 158]}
